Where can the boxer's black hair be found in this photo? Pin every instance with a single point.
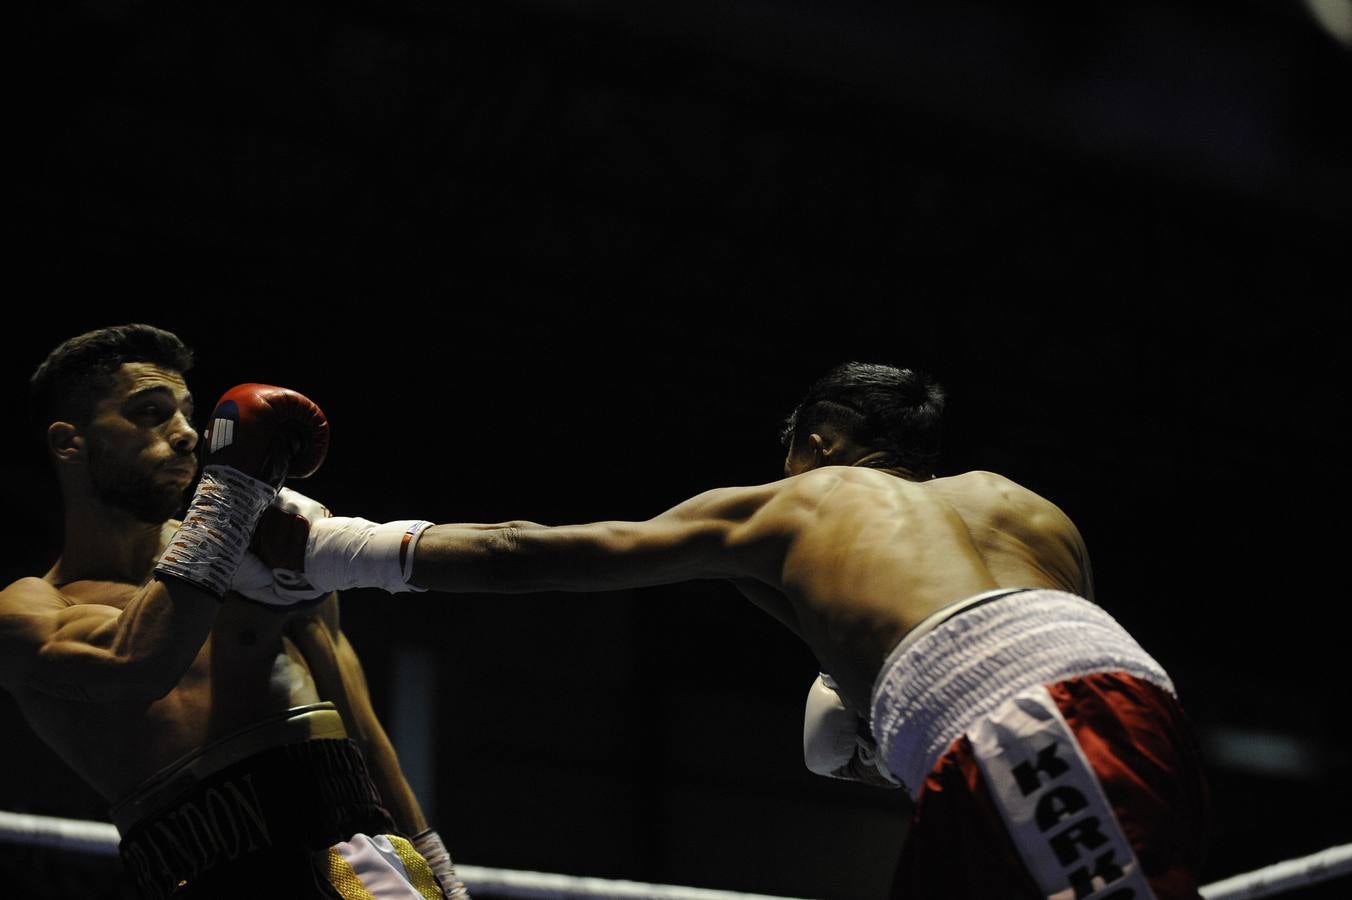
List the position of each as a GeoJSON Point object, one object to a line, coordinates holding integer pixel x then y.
{"type": "Point", "coordinates": [70, 381]}
{"type": "Point", "coordinates": [896, 412]}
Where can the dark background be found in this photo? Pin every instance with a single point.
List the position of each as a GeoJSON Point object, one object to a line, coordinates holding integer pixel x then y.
{"type": "Point", "coordinates": [574, 260]}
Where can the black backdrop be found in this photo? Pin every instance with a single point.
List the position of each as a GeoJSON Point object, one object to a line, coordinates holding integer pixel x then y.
{"type": "Point", "coordinates": [566, 261]}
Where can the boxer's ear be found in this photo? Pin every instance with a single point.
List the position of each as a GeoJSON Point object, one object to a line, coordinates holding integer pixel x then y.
{"type": "Point", "coordinates": [833, 447]}
{"type": "Point", "coordinates": [65, 443]}
{"type": "Point", "coordinates": [820, 448]}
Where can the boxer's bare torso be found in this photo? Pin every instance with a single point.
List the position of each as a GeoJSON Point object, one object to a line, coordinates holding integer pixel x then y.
{"type": "Point", "coordinates": [251, 666]}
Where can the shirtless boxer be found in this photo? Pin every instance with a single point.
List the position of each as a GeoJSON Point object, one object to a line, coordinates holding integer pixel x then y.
{"type": "Point", "coordinates": [1044, 749]}
{"type": "Point", "coordinates": [232, 738]}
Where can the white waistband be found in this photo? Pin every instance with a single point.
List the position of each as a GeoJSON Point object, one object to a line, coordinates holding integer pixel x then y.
{"type": "Point", "coordinates": [932, 689]}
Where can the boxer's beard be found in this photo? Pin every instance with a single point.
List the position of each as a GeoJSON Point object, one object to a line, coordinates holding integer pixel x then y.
{"type": "Point", "coordinates": [135, 493]}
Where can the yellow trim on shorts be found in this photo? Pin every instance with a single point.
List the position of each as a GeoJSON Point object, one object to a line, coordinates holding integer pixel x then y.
{"type": "Point", "coordinates": [419, 872]}
{"type": "Point", "coordinates": [345, 880]}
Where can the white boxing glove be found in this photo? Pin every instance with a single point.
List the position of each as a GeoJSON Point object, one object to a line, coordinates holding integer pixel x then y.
{"type": "Point", "coordinates": [256, 581]}
{"type": "Point", "coordinates": [298, 504]}
{"type": "Point", "coordinates": [836, 740]}
{"type": "Point", "coordinates": [286, 521]}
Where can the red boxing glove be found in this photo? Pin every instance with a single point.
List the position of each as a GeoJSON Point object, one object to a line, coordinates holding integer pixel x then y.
{"type": "Point", "coordinates": [281, 535]}
{"type": "Point", "coordinates": [284, 530]}
{"type": "Point", "coordinates": [267, 433]}
{"type": "Point", "coordinates": [257, 435]}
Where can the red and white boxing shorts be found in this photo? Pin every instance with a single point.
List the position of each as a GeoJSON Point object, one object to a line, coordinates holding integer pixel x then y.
{"type": "Point", "coordinates": [1046, 753]}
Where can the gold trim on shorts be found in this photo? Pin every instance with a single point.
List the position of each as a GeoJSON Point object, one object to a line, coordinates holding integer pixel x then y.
{"type": "Point", "coordinates": [348, 884]}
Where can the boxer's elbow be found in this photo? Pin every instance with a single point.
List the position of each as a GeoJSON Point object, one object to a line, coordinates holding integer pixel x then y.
{"type": "Point", "coordinates": [149, 674]}
{"type": "Point", "coordinates": [516, 559]}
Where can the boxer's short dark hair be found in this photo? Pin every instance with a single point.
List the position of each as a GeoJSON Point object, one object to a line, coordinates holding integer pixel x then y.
{"type": "Point", "coordinates": [897, 412]}
{"type": "Point", "coordinates": [70, 381]}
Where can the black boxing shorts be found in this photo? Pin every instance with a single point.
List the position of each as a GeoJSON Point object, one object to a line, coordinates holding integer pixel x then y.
{"type": "Point", "coordinates": [283, 808]}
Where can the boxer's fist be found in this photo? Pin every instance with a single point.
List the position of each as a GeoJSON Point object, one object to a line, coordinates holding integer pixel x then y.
{"type": "Point", "coordinates": [280, 539]}
{"type": "Point", "coordinates": [257, 434]}
{"type": "Point", "coordinates": [284, 530]}
{"type": "Point", "coordinates": [254, 580]}
{"type": "Point", "coordinates": [267, 433]}
{"type": "Point", "coordinates": [836, 742]}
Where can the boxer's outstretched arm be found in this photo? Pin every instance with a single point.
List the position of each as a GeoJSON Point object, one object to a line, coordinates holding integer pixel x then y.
{"type": "Point", "coordinates": [100, 653]}
{"type": "Point", "coordinates": [722, 533]}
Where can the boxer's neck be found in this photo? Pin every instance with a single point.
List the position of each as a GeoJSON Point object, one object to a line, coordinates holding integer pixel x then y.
{"type": "Point", "coordinates": [106, 543]}
{"type": "Point", "coordinates": [874, 460]}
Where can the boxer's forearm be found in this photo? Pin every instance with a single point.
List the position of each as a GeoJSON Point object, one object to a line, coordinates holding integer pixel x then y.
{"type": "Point", "coordinates": [601, 556]}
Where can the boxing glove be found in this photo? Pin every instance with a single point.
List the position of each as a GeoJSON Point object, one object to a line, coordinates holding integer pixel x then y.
{"type": "Point", "coordinates": [836, 741]}
{"type": "Point", "coordinates": [266, 432]}
{"type": "Point", "coordinates": [282, 531]}
{"type": "Point", "coordinates": [256, 436]}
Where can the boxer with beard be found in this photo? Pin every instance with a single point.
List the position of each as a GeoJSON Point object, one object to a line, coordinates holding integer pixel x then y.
{"type": "Point", "coordinates": [234, 740]}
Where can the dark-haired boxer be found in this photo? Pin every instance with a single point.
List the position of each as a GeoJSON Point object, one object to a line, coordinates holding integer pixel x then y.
{"type": "Point", "coordinates": [235, 740]}
{"type": "Point", "coordinates": [1044, 749]}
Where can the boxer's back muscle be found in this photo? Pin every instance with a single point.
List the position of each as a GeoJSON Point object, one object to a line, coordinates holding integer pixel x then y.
{"type": "Point", "coordinates": [868, 555]}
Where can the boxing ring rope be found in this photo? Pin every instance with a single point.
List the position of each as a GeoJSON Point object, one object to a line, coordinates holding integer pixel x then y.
{"type": "Point", "coordinates": [100, 839]}
{"type": "Point", "coordinates": [1281, 877]}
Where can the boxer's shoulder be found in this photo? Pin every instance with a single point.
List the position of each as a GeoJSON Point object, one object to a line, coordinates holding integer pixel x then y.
{"type": "Point", "coordinates": [37, 594]}
{"type": "Point", "coordinates": [990, 488]}
{"type": "Point", "coordinates": [996, 497]}
{"type": "Point", "coordinates": [30, 592]}
{"type": "Point", "coordinates": [810, 485]}
{"type": "Point", "coordinates": [809, 490]}
{"type": "Point", "coordinates": [28, 609]}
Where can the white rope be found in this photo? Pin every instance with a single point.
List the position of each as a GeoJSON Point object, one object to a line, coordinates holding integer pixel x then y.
{"type": "Point", "coordinates": [1281, 877]}
{"type": "Point", "coordinates": [94, 838]}
{"type": "Point", "coordinates": [100, 839]}
{"type": "Point", "coordinates": [539, 885]}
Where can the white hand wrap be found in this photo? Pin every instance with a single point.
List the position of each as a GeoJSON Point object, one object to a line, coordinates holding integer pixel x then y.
{"type": "Point", "coordinates": [207, 548]}
{"type": "Point", "coordinates": [345, 553]}
{"type": "Point", "coordinates": [836, 742]}
{"type": "Point", "coordinates": [428, 844]}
